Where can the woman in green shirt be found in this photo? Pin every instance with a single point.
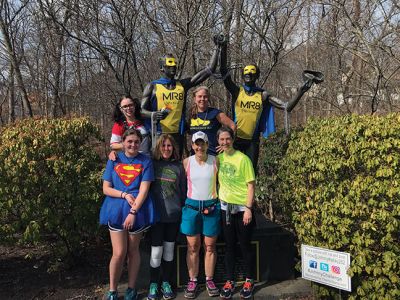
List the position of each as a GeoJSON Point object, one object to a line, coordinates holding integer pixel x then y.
{"type": "Point", "coordinates": [236, 192]}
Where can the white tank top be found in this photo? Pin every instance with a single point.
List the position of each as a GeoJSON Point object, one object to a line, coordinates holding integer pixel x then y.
{"type": "Point", "coordinates": [202, 179]}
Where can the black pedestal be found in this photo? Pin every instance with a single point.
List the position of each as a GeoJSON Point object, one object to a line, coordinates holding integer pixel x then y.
{"type": "Point", "coordinates": [274, 252]}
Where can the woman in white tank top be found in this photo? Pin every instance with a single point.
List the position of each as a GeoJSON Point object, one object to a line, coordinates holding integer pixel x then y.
{"type": "Point", "coordinates": [201, 214]}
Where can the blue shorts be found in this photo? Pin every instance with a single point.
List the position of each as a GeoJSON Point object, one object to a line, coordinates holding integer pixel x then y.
{"type": "Point", "coordinates": [119, 228]}
{"type": "Point", "coordinates": [195, 221]}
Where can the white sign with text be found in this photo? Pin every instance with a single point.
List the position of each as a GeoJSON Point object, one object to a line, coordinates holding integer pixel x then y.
{"type": "Point", "coordinates": [326, 266]}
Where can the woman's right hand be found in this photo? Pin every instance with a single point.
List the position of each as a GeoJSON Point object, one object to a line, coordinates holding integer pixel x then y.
{"type": "Point", "coordinates": [219, 149]}
{"type": "Point", "coordinates": [113, 155]}
{"type": "Point", "coordinates": [129, 221]}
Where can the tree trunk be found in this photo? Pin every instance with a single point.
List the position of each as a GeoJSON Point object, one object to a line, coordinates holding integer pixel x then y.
{"type": "Point", "coordinates": [14, 61]}
{"type": "Point", "coordinates": [11, 96]}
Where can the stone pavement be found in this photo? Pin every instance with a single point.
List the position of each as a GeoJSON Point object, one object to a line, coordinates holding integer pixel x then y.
{"type": "Point", "coordinates": [288, 289]}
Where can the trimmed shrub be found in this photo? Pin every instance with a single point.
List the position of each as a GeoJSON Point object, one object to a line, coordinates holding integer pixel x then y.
{"type": "Point", "coordinates": [341, 176]}
{"type": "Point", "coordinates": [50, 182]}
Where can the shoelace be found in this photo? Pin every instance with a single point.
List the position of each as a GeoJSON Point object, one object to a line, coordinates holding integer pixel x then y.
{"type": "Point", "coordinates": [191, 286]}
{"type": "Point", "coordinates": [211, 284]}
{"type": "Point", "coordinates": [247, 285]}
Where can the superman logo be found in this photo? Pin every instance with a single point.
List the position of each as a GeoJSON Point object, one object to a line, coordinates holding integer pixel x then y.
{"type": "Point", "coordinates": [128, 173]}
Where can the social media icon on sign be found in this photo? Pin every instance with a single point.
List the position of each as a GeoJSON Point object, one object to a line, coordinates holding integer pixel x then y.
{"type": "Point", "coordinates": [324, 267]}
{"type": "Point", "coordinates": [312, 264]}
{"type": "Point", "coordinates": [335, 269]}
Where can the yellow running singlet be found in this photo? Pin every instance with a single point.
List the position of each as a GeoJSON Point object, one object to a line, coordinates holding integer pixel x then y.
{"type": "Point", "coordinates": [172, 100]}
{"type": "Point", "coordinates": [248, 111]}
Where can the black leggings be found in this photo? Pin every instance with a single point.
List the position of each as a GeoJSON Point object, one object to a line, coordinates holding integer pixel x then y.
{"type": "Point", "coordinates": [163, 232]}
{"type": "Point", "coordinates": [251, 148]}
{"type": "Point", "coordinates": [235, 232]}
{"type": "Point", "coordinates": [160, 233]}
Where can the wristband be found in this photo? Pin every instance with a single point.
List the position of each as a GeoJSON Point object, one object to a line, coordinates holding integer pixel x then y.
{"type": "Point", "coordinates": [122, 192]}
{"type": "Point", "coordinates": [133, 212]}
{"type": "Point", "coordinates": [248, 207]}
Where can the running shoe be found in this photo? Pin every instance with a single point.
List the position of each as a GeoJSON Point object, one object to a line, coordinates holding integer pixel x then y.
{"type": "Point", "coordinates": [227, 290]}
{"type": "Point", "coordinates": [112, 295]}
{"type": "Point", "coordinates": [130, 294]}
{"type": "Point", "coordinates": [247, 289]}
{"type": "Point", "coordinates": [191, 290]}
{"type": "Point", "coordinates": [211, 288]}
{"type": "Point", "coordinates": [153, 291]}
{"type": "Point", "coordinates": [166, 291]}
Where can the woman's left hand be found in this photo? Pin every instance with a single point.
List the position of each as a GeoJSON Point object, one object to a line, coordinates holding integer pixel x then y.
{"type": "Point", "coordinates": [129, 222]}
{"type": "Point", "coordinates": [247, 216]}
{"type": "Point", "coordinates": [130, 199]}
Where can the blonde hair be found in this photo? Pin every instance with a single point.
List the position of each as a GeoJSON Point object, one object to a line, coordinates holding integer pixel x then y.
{"type": "Point", "coordinates": [193, 106]}
{"type": "Point", "coordinates": [157, 150]}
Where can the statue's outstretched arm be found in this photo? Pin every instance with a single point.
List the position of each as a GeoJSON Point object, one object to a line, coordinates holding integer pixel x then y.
{"type": "Point", "coordinates": [210, 69]}
{"type": "Point", "coordinates": [289, 105]}
{"type": "Point", "coordinates": [228, 82]}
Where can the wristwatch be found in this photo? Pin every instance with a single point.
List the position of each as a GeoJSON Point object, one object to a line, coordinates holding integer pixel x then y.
{"type": "Point", "coordinates": [133, 212]}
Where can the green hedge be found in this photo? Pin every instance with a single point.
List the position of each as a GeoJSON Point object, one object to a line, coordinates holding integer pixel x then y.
{"type": "Point", "coordinates": [339, 182]}
{"type": "Point", "coordinates": [50, 182]}
{"type": "Point", "coordinates": [268, 182]}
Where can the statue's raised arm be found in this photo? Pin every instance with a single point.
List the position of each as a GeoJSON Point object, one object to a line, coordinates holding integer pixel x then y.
{"type": "Point", "coordinates": [309, 77]}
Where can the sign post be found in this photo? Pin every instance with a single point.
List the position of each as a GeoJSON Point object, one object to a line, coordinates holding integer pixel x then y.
{"type": "Point", "coordinates": [326, 266]}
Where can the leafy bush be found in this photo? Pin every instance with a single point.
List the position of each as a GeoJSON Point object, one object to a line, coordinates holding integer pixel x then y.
{"type": "Point", "coordinates": [341, 176]}
{"type": "Point", "coordinates": [272, 152]}
{"type": "Point", "coordinates": [50, 181]}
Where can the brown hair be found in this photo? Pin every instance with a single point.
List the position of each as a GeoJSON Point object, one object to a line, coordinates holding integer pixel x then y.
{"type": "Point", "coordinates": [157, 150]}
{"type": "Point", "coordinates": [132, 131]}
{"type": "Point", "coordinates": [119, 116]}
{"type": "Point", "coordinates": [193, 106]}
{"type": "Point", "coordinates": [226, 129]}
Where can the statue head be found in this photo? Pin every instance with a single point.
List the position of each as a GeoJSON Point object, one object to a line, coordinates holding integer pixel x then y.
{"type": "Point", "coordinates": [168, 65]}
{"type": "Point", "coordinates": [250, 74]}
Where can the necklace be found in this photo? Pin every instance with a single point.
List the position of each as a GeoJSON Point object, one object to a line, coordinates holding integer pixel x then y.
{"type": "Point", "coordinates": [203, 120]}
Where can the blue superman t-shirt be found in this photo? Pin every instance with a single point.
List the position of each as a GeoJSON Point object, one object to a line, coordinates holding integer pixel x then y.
{"type": "Point", "coordinates": [126, 174]}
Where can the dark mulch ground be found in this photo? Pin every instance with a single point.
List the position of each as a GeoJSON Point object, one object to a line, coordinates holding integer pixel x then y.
{"type": "Point", "coordinates": [25, 273]}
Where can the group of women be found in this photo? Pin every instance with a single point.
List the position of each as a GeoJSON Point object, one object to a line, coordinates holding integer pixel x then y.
{"type": "Point", "coordinates": [165, 195]}
{"type": "Point", "coordinates": [168, 196]}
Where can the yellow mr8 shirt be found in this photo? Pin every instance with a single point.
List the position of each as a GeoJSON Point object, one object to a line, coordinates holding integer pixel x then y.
{"type": "Point", "coordinates": [172, 100]}
{"type": "Point", "coordinates": [248, 111]}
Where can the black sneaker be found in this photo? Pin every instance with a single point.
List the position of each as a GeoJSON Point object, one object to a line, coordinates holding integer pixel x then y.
{"type": "Point", "coordinates": [191, 290]}
{"type": "Point", "coordinates": [227, 290]}
{"type": "Point", "coordinates": [247, 289]}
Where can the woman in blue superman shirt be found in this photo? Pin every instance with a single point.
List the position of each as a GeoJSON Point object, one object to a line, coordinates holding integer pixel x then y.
{"type": "Point", "coordinates": [127, 210]}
